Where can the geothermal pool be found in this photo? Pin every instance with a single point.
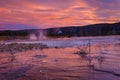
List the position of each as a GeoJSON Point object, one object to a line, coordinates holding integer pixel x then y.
{"type": "Point", "coordinates": [61, 63]}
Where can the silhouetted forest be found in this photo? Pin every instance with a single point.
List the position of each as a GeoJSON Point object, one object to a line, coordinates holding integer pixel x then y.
{"type": "Point", "coordinates": [89, 30]}
{"type": "Point", "coordinates": [69, 31]}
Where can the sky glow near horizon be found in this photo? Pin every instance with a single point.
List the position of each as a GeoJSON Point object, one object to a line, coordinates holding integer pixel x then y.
{"type": "Point", "coordinates": [36, 14]}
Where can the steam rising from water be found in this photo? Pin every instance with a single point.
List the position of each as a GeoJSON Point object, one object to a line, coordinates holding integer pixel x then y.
{"type": "Point", "coordinates": [38, 35]}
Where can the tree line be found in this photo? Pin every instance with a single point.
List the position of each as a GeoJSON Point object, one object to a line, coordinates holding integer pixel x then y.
{"type": "Point", "coordinates": [72, 31]}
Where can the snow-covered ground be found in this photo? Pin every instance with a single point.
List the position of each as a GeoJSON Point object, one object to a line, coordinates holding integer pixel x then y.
{"type": "Point", "coordinates": [62, 63]}
{"type": "Point", "coordinates": [69, 42]}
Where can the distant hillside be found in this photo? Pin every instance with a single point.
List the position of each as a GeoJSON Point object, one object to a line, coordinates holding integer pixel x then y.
{"type": "Point", "coordinates": [89, 30]}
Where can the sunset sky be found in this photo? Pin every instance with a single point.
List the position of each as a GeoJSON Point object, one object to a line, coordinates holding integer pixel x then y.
{"type": "Point", "coordinates": [33, 14]}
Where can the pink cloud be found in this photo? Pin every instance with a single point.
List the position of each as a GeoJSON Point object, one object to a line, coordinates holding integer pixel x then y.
{"type": "Point", "coordinates": [57, 13]}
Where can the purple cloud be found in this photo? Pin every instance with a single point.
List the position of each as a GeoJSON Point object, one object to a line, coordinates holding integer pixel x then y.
{"type": "Point", "coordinates": [52, 13]}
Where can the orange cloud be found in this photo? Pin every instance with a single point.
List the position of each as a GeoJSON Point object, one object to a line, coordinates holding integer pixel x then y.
{"type": "Point", "coordinates": [45, 13]}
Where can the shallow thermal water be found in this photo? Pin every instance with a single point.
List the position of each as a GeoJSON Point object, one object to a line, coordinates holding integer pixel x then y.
{"type": "Point", "coordinates": [61, 64]}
